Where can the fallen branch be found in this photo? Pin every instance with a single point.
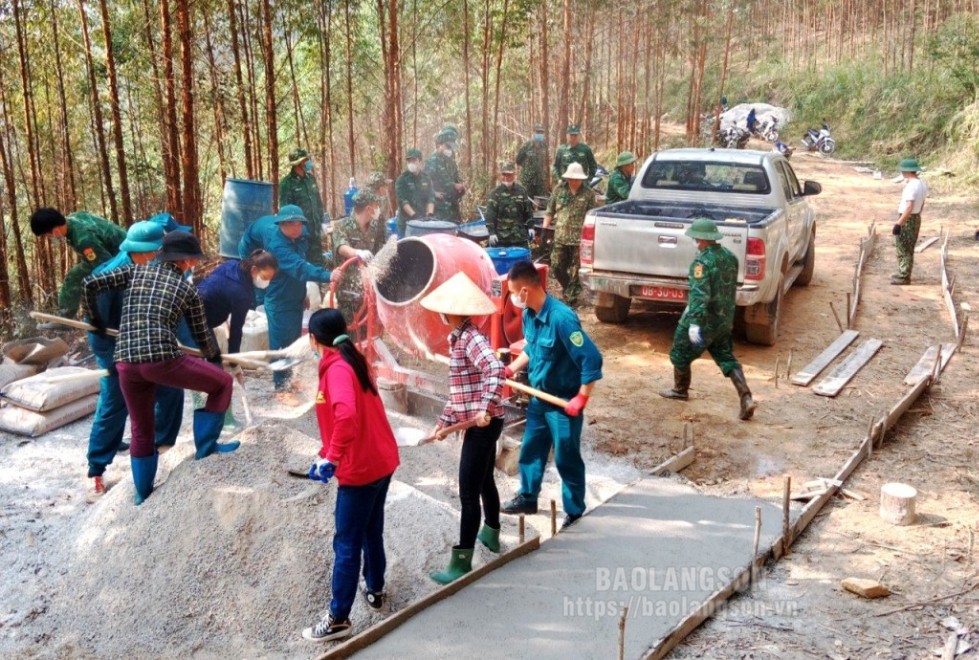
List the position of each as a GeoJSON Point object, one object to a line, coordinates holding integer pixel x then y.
{"type": "Point", "coordinates": [930, 601]}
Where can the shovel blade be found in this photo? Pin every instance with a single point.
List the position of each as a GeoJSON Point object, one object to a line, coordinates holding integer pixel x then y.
{"type": "Point", "coordinates": [283, 364]}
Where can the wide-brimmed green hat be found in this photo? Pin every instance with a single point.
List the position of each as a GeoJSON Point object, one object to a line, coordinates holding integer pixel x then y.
{"type": "Point", "coordinates": [365, 196]}
{"type": "Point", "coordinates": [704, 229]}
{"type": "Point", "coordinates": [290, 213]}
{"type": "Point", "coordinates": [909, 165]}
{"type": "Point", "coordinates": [574, 129]}
{"type": "Point", "coordinates": [145, 236]}
{"type": "Point", "coordinates": [507, 167]}
{"type": "Point", "coordinates": [297, 156]}
{"type": "Point", "coordinates": [538, 128]}
{"type": "Point", "coordinates": [625, 158]}
{"type": "Point", "coordinates": [414, 153]}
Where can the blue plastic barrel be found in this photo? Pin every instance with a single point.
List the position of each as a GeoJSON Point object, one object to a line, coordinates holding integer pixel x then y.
{"type": "Point", "coordinates": [505, 258]}
{"type": "Point", "coordinates": [348, 198]}
{"type": "Point", "coordinates": [392, 225]}
{"type": "Point", "coordinates": [243, 203]}
{"type": "Point", "coordinates": [423, 227]}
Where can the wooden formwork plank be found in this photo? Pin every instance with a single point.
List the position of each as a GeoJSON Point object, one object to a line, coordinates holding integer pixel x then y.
{"type": "Point", "coordinates": [926, 364]}
{"type": "Point", "coordinates": [675, 463]}
{"type": "Point", "coordinates": [809, 372]}
{"type": "Point", "coordinates": [925, 244]}
{"type": "Point", "coordinates": [839, 377]}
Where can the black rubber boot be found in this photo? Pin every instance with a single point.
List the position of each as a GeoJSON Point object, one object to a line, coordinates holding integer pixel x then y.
{"type": "Point", "coordinates": [747, 403]}
{"type": "Point", "coordinates": [681, 383]}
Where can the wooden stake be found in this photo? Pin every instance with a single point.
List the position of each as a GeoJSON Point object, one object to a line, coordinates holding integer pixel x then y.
{"type": "Point", "coordinates": [870, 437]}
{"type": "Point", "coordinates": [754, 545]}
{"type": "Point", "coordinates": [553, 518]}
{"type": "Point", "coordinates": [687, 434]}
{"type": "Point", "coordinates": [777, 358]}
{"type": "Point", "coordinates": [849, 312]}
{"type": "Point", "coordinates": [788, 366]}
{"type": "Point", "coordinates": [786, 529]}
{"type": "Point", "coordinates": [837, 317]}
{"type": "Point", "coordinates": [523, 529]}
{"type": "Point", "coordinates": [625, 613]}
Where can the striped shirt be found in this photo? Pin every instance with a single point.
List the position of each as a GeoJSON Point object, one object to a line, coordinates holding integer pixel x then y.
{"type": "Point", "coordinates": [157, 297]}
{"type": "Point", "coordinates": [475, 377]}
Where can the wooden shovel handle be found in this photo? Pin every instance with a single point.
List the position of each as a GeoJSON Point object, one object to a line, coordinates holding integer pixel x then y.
{"type": "Point", "coordinates": [533, 391]}
{"type": "Point", "coordinates": [461, 426]}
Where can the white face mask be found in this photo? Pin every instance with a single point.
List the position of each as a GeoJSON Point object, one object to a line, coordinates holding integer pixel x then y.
{"type": "Point", "coordinates": [508, 184]}
{"type": "Point", "coordinates": [447, 152]}
{"type": "Point", "coordinates": [413, 168]}
{"type": "Point", "coordinates": [517, 302]}
{"type": "Point", "coordinates": [260, 282]}
{"type": "Point", "coordinates": [377, 213]}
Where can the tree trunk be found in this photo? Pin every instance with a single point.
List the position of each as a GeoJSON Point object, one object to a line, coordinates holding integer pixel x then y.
{"type": "Point", "coordinates": [36, 192]}
{"type": "Point", "coordinates": [246, 128]}
{"type": "Point", "coordinates": [26, 295]}
{"type": "Point", "coordinates": [351, 140]}
{"type": "Point", "coordinates": [466, 37]}
{"type": "Point", "coordinates": [499, 67]}
{"type": "Point", "coordinates": [188, 161]}
{"type": "Point", "coordinates": [565, 91]}
{"type": "Point", "coordinates": [171, 150]}
{"type": "Point", "coordinates": [271, 111]}
{"type": "Point", "coordinates": [545, 84]}
{"type": "Point", "coordinates": [484, 144]}
{"type": "Point", "coordinates": [110, 63]}
{"type": "Point", "coordinates": [217, 98]}
{"type": "Point", "coordinates": [326, 30]}
{"type": "Point", "coordinates": [244, 22]}
{"type": "Point", "coordinates": [68, 158]}
{"type": "Point", "coordinates": [301, 135]}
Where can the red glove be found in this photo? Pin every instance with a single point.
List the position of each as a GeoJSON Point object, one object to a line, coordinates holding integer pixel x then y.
{"type": "Point", "coordinates": [509, 372]}
{"type": "Point", "coordinates": [576, 405]}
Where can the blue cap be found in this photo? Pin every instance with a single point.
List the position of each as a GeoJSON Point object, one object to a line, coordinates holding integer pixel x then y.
{"type": "Point", "coordinates": [146, 236]}
{"type": "Point", "coordinates": [166, 220]}
{"type": "Point", "coordinates": [290, 213]}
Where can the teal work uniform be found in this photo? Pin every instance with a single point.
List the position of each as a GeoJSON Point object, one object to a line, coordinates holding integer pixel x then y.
{"type": "Point", "coordinates": [713, 295]}
{"type": "Point", "coordinates": [509, 215]}
{"type": "Point", "coordinates": [562, 359]}
{"type": "Point", "coordinates": [579, 153]}
{"type": "Point", "coordinates": [444, 173]}
{"type": "Point", "coordinates": [304, 193]}
{"type": "Point", "coordinates": [568, 210]}
{"type": "Point", "coordinates": [416, 191]}
{"type": "Point", "coordinates": [96, 240]}
{"type": "Point", "coordinates": [532, 159]}
{"type": "Point", "coordinates": [619, 186]}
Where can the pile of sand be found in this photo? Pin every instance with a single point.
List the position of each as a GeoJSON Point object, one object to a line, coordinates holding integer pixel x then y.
{"type": "Point", "coordinates": [230, 556]}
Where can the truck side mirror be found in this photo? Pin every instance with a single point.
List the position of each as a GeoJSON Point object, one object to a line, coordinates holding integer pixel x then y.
{"type": "Point", "coordinates": [811, 188]}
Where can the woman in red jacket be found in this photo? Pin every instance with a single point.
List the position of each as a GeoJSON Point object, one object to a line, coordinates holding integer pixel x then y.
{"type": "Point", "coordinates": [360, 450]}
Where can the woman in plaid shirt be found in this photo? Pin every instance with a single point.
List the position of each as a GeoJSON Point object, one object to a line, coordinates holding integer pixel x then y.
{"type": "Point", "coordinates": [475, 395]}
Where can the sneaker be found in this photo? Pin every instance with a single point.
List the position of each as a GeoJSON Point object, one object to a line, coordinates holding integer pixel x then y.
{"type": "Point", "coordinates": [900, 281]}
{"type": "Point", "coordinates": [328, 629]}
{"type": "Point", "coordinates": [375, 600]}
{"type": "Point", "coordinates": [520, 504]}
{"type": "Point", "coordinates": [98, 486]}
{"type": "Point", "coordinates": [569, 520]}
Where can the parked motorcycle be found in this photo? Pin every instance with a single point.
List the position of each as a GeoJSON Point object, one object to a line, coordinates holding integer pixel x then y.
{"type": "Point", "coordinates": [735, 137]}
{"type": "Point", "coordinates": [767, 129]}
{"type": "Point", "coordinates": [596, 181]}
{"type": "Point", "coordinates": [783, 148]}
{"type": "Point", "coordinates": [821, 140]}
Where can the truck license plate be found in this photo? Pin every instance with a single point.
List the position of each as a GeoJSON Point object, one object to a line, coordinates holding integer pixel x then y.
{"type": "Point", "coordinates": [663, 293]}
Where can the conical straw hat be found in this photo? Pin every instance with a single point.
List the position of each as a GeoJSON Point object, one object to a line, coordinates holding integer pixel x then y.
{"type": "Point", "coordinates": [459, 296]}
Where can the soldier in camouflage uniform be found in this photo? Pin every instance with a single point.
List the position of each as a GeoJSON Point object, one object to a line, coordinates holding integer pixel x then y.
{"type": "Point", "coordinates": [95, 239]}
{"type": "Point", "coordinates": [708, 320]}
{"type": "Point", "coordinates": [379, 184]}
{"type": "Point", "coordinates": [447, 184]}
{"type": "Point", "coordinates": [620, 182]}
{"type": "Point", "coordinates": [909, 220]}
{"type": "Point", "coordinates": [567, 207]}
{"type": "Point", "coordinates": [509, 212]}
{"type": "Point", "coordinates": [361, 235]}
{"type": "Point", "coordinates": [414, 192]}
{"type": "Point", "coordinates": [532, 159]}
{"type": "Point", "coordinates": [575, 151]}
{"type": "Point", "coordinates": [299, 188]}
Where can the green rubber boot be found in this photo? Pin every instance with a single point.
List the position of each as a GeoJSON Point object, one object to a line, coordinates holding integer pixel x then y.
{"type": "Point", "coordinates": [489, 537]}
{"type": "Point", "coordinates": [460, 564]}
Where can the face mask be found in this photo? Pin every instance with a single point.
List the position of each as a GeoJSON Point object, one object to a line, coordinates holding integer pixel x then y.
{"type": "Point", "coordinates": [447, 152]}
{"type": "Point", "coordinates": [260, 282]}
{"type": "Point", "coordinates": [508, 184]}
{"type": "Point", "coordinates": [517, 302]}
{"type": "Point", "coordinates": [538, 137]}
{"type": "Point", "coordinates": [413, 168]}
{"type": "Point", "coordinates": [377, 213]}
{"type": "Point", "coordinates": [309, 166]}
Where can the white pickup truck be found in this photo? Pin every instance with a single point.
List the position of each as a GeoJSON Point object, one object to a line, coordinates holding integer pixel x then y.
{"type": "Point", "coordinates": [636, 249]}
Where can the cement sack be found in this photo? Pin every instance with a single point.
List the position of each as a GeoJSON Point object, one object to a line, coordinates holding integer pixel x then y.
{"type": "Point", "coordinates": [14, 419]}
{"type": "Point", "coordinates": [313, 295]}
{"type": "Point", "coordinates": [41, 394]}
{"type": "Point", "coordinates": [11, 371]}
{"type": "Point", "coordinates": [39, 351]}
{"type": "Point", "coordinates": [255, 332]}
{"type": "Point", "coordinates": [221, 335]}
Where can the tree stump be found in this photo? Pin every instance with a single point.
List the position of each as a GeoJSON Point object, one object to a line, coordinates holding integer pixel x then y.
{"type": "Point", "coordinates": [897, 503]}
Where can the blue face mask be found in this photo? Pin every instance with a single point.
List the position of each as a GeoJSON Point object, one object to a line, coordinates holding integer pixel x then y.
{"type": "Point", "coordinates": [309, 166]}
{"type": "Point", "coordinates": [538, 137]}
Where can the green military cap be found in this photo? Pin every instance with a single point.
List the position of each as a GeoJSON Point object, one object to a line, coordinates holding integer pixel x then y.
{"type": "Point", "coordinates": [376, 179]}
{"type": "Point", "coordinates": [538, 128]}
{"type": "Point", "coordinates": [909, 165]}
{"type": "Point", "coordinates": [297, 156]}
{"type": "Point", "coordinates": [507, 167]}
{"type": "Point", "coordinates": [704, 229]}
{"type": "Point", "coordinates": [364, 196]}
{"type": "Point", "coordinates": [413, 154]}
{"type": "Point", "coordinates": [446, 135]}
{"type": "Point", "coordinates": [574, 129]}
{"type": "Point", "coordinates": [625, 158]}
{"type": "Point", "coordinates": [451, 130]}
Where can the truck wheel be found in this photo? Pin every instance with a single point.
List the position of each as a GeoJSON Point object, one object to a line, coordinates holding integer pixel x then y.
{"type": "Point", "coordinates": [616, 312]}
{"type": "Point", "coordinates": [808, 263]}
{"type": "Point", "coordinates": [761, 321]}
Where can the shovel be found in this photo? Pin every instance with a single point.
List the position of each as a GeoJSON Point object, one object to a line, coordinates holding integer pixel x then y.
{"type": "Point", "coordinates": [533, 391]}
{"type": "Point", "coordinates": [278, 365]}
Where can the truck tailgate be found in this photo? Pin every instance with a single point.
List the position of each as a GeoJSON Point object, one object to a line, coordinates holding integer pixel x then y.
{"type": "Point", "coordinates": [657, 247]}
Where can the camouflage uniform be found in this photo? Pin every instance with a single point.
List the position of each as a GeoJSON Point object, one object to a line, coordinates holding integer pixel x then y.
{"type": "Point", "coordinates": [568, 210]}
{"type": "Point", "coordinates": [713, 292]}
{"type": "Point", "coordinates": [416, 191]}
{"type": "Point", "coordinates": [619, 186]}
{"type": "Point", "coordinates": [350, 288]}
{"type": "Point", "coordinates": [904, 243]}
{"type": "Point", "coordinates": [509, 214]}
{"type": "Point", "coordinates": [444, 172]}
{"type": "Point", "coordinates": [376, 181]}
{"type": "Point", "coordinates": [579, 153]}
{"type": "Point", "coordinates": [96, 240]}
{"type": "Point", "coordinates": [532, 159]}
{"type": "Point", "coordinates": [304, 193]}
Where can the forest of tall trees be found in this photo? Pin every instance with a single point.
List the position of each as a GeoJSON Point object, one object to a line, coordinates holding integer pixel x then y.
{"type": "Point", "coordinates": [129, 107]}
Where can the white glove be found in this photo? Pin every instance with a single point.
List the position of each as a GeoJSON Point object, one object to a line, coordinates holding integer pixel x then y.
{"type": "Point", "coordinates": [493, 240]}
{"type": "Point", "coordinates": [365, 256]}
{"type": "Point", "coordinates": [531, 234]}
{"type": "Point", "coordinates": [696, 336]}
